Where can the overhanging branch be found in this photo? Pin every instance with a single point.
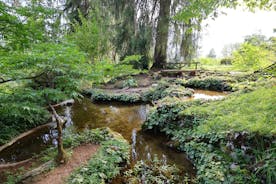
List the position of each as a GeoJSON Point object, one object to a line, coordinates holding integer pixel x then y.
{"type": "Point", "coordinates": [2, 80]}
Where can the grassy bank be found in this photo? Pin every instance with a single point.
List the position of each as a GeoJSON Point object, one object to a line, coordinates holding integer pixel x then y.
{"type": "Point", "coordinates": [229, 141]}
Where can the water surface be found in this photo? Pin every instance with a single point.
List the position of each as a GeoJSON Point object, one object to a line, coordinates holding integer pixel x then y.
{"type": "Point", "coordinates": [125, 119]}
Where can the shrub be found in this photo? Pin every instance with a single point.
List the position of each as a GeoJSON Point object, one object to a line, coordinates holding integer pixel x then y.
{"type": "Point", "coordinates": [209, 84]}
{"type": "Point", "coordinates": [226, 61]}
{"type": "Point", "coordinates": [165, 89]}
{"type": "Point", "coordinates": [250, 57]}
{"type": "Point", "coordinates": [101, 95]}
{"type": "Point", "coordinates": [154, 171]}
{"type": "Point", "coordinates": [137, 61]}
{"type": "Point", "coordinates": [130, 82]}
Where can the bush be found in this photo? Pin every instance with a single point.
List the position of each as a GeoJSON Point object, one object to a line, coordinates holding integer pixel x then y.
{"type": "Point", "coordinates": [137, 61]}
{"type": "Point", "coordinates": [226, 61]}
{"type": "Point", "coordinates": [101, 95]}
{"type": "Point", "coordinates": [209, 84]}
{"type": "Point", "coordinates": [130, 82]}
{"type": "Point", "coordinates": [154, 171]}
{"type": "Point", "coordinates": [250, 57]}
{"type": "Point", "coordinates": [166, 89]}
{"type": "Point", "coordinates": [20, 111]}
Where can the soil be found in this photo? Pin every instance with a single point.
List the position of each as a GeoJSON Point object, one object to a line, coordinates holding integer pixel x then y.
{"type": "Point", "coordinates": [80, 156]}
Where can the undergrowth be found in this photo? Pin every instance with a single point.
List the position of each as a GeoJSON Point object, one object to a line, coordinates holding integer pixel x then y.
{"type": "Point", "coordinates": [229, 141]}
{"type": "Point", "coordinates": [153, 171]}
{"type": "Point", "coordinates": [103, 166]}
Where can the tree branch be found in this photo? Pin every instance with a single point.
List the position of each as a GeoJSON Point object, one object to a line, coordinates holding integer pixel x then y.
{"type": "Point", "coordinates": [2, 80]}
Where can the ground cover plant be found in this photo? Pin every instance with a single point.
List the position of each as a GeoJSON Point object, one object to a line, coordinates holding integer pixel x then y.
{"type": "Point", "coordinates": [225, 139]}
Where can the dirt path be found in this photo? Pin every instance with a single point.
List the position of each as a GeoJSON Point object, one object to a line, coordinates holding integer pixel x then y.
{"type": "Point", "coordinates": [80, 156]}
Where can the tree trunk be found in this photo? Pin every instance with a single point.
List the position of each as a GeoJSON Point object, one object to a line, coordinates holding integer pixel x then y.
{"type": "Point", "coordinates": [160, 51]}
{"type": "Point", "coordinates": [61, 157]}
{"type": "Point", "coordinates": [186, 48]}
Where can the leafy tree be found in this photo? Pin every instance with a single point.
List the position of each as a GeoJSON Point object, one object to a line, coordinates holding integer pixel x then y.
{"type": "Point", "coordinates": [212, 53]}
{"type": "Point", "coordinates": [21, 26]}
{"type": "Point", "coordinates": [251, 57]}
{"type": "Point", "coordinates": [89, 36]}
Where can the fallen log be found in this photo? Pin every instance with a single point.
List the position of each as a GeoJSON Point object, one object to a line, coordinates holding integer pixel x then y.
{"type": "Point", "coordinates": [16, 164]}
{"type": "Point", "coordinates": [35, 172]}
{"type": "Point", "coordinates": [65, 103]}
{"type": "Point", "coordinates": [24, 135]}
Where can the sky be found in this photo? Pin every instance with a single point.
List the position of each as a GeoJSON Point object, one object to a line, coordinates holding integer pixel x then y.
{"type": "Point", "coordinates": [233, 27]}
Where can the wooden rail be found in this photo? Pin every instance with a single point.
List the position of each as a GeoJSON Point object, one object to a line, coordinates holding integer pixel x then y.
{"type": "Point", "coordinates": [180, 65]}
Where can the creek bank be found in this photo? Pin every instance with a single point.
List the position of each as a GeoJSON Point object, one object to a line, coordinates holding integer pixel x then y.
{"type": "Point", "coordinates": [229, 141]}
{"type": "Point", "coordinates": [103, 137]}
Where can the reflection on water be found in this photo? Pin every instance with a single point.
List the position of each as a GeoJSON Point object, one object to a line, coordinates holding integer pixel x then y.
{"type": "Point", "coordinates": [28, 146]}
{"type": "Point", "coordinates": [120, 118]}
{"type": "Point", "coordinates": [208, 95]}
{"type": "Point", "coordinates": [125, 119]}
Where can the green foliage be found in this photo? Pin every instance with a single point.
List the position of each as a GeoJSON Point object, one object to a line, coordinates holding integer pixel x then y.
{"type": "Point", "coordinates": [105, 165]}
{"type": "Point", "coordinates": [226, 61]}
{"type": "Point", "coordinates": [130, 82]}
{"type": "Point", "coordinates": [89, 36]}
{"type": "Point", "coordinates": [166, 89]}
{"type": "Point", "coordinates": [104, 71]}
{"type": "Point", "coordinates": [153, 172]}
{"type": "Point", "coordinates": [209, 61]}
{"type": "Point", "coordinates": [202, 9]}
{"type": "Point", "coordinates": [20, 110]}
{"type": "Point", "coordinates": [227, 140]}
{"type": "Point", "coordinates": [101, 95]}
{"type": "Point", "coordinates": [57, 66]}
{"type": "Point", "coordinates": [239, 113]}
{"type": "Point", "coordinates": [252, 57]}
{"type": "Point", "coordinates": [162, 90]}
{"type": "Point", "coordinates": [266, 165]}
{"type": "Point", "coordinates": [137, 61]}
{"type": "Point", "coordinates": [208, 83]}
{"type": "Point", "coordinates": [96, 136]}
{"type": "Point", "coordinates": [21, 26]}
{"type": "Point", "coordinates": [45, 73]}
{"type": "Point", "coordinates": [165, 116]}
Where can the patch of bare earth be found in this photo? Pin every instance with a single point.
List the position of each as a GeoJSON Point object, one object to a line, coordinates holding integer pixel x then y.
{"type": "Point", "coordinates": [80, 156]}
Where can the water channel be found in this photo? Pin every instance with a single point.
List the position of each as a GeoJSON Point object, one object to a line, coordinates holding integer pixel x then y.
{"type": "Point", "coordinates": [125, 119]}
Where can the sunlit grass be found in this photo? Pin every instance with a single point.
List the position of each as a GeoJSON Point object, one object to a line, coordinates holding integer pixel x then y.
{"type": "Point", "coordinates": [251, 112]}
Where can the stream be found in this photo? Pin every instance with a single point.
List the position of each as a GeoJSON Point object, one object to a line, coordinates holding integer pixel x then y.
{"type": "Point", "coordinates": [122, 118]}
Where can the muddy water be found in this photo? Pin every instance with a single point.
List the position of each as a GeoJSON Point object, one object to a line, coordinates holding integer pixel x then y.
{"type": "Point", "coordinates": [125, 119]}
